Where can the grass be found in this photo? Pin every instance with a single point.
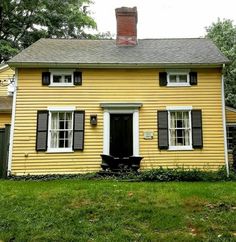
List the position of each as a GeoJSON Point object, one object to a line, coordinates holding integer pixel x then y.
{"type": "Point", "coordinates": [79, 210]}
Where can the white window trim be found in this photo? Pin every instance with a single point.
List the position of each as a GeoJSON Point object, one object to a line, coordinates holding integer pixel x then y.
{"type": "Point", "coordinates": [178, 84]}
{"type": "Point", "coordinates": [180, 108]}
{"type": "Point", "coordinates": [59, 109]}
{"type": "Point", "coordinates": [106, 127]}
{"type": "Point", "coordinates": [61, 72]}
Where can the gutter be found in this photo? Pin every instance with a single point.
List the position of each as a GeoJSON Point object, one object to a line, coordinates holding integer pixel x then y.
{"type": "Point", "coordinates": [12, 124]}
{"type": "Point", "coordinates": [224, 124]}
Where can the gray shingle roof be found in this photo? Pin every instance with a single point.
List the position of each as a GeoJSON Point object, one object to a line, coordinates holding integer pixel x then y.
{"type": "Point", "coordinates": [148, 51]}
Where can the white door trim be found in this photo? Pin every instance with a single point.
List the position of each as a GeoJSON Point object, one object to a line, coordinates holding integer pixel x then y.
{"type": "Point", "coordinates": [106, 127]}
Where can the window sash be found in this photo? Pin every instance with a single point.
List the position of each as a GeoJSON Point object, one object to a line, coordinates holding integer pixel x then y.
{"type": "Point", "coordinates": [62, 78]}
{"type": "Point", "coordinates": [180, 130]}
{"type": "Point", "coordinates": [60, 132]}
{"type": "Point", "coordinates": [178, 79]}
{"type": "Point", "coordinates": [65, 77]}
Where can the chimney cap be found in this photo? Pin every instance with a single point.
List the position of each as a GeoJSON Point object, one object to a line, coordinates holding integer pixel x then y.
{"type": "Point", "coordinates": [126, 10]}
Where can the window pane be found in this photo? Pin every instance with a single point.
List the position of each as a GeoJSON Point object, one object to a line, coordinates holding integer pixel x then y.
{"type": "Point", "coordinates": [54, 139]}
{"type": "Point", "coordinates": [182, 78]}
{"type": "Point", "coordinates": [57, 78]}
{"type": "Point", "coordinates": [173, 78]}
{"type": "Point", "coordinates": [54, 121]}
{"type": "Point", "coordinates": [67, 78]}
{"type": "Point", "coordinates": [186, 120]}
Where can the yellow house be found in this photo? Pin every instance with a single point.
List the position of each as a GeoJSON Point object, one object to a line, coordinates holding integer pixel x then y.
{"type": "Point", "coordinates": [161, 100]}
{"type": "Point", "coordinates": [6, 73]}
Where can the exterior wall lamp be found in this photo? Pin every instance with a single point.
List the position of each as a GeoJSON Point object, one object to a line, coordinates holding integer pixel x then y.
{"type": "Point", "coordinates": [93, 119]}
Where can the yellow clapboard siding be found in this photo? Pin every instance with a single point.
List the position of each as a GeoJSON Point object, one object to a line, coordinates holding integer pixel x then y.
{"type": "Point", "coordinates": [5, 118]}
{"type": "Point", "coordinates": [118, 85]}
{"type": "Point", "coordinates": [5, 74]}
{"type": "Point", "coordinates": [230, 116]}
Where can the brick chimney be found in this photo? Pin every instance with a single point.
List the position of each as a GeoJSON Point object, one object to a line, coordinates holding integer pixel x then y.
{"type": "Point", "coordinates": [127, 19]}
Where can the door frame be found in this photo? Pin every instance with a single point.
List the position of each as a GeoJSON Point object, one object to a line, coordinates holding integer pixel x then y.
{"type": "Point", "coordinates": [118, 108]}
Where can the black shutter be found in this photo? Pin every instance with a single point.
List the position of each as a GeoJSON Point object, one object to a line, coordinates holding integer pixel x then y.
{"type": "Point", "coordinates": [162, 78]}
{"type": "Point", "coordinates": [77, 78]}
{"type": "Point", "coordinates": [197, 139]}
{"type": "Point", "coordinates": [78, 137]}
{"type": "Point", "coordinates": [46, 78]}
{"type": "Point", "coordinates": [42, 131]}
{"type": "Point", "coordinates": [193, 78]}
{"type": "Point", "coordinates": [163, 142]}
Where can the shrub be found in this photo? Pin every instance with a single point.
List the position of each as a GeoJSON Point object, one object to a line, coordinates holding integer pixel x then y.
{"type": "Point", "coordinates": [153, 175]}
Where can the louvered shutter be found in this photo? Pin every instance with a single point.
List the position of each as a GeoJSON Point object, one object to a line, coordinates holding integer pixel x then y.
{"type": "Point", "coordinates": [77, 78]}
{"type": "Point", "coordinates": [197, 139]}
{"type": "Point", "coordinates": [42, 131]}
{"type": "Point", "coordinates": [46, 78]}
{"type": "Point", "coordinates": [162, 78]}
{"type": "Point", "coordinates": [78, 137]}
{"type": "Point", "coordinates": [163, 142]}
{"type": "Point", "coordinates": [193, 78]}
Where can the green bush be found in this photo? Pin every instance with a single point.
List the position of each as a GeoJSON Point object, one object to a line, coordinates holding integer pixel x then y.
{"type": "Point", "coordinates": [153, 175]}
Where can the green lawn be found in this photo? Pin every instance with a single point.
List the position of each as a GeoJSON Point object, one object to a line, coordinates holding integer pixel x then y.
{"type": "Point", "coordinates": [78, 210]}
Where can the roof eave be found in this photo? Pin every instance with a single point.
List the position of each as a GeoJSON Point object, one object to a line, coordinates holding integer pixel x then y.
{"type": "Point", "coordinates": [112, 65]}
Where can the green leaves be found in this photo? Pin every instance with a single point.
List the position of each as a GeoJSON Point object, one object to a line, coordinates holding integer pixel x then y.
{"type": "Point", "coordinates": [24, 22]}
{"type": "Point", "coordinates": [223, 34]}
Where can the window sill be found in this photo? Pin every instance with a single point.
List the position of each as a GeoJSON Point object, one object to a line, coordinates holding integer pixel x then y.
{"type": "Point", "coordinates": [59, 151]}
{"type": "Point", "coordinates": [180, 148]}
{"type": "Point", "coordinates": [178, 85]}
{"type": "Point", "coordinates": [61, 85]}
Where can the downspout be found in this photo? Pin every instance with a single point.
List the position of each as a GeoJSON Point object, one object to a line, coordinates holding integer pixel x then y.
{"type": "Point", "coordinates": [12, 124]}
{"type": "Point", "coordinates": [224, 123]}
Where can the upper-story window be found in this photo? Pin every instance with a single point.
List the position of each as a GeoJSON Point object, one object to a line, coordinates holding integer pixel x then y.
{"type": "Point", "coordinates": [62, 78]}
{"type": "Point", "coordinates": [178, 79]}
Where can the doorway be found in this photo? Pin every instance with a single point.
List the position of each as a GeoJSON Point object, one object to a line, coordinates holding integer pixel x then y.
{"type": "Point", "coordinates": [121, 135]}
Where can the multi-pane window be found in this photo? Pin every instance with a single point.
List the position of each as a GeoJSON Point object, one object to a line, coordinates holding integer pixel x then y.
{"type": "Point", "coordinates": [177, 79]}
{"type": "Point", "coordinates": [179, 129]}
{"type": "Point", "coordinates": [60, 130]}
{"type": "Point", "coordinates": [62, 78]}
{"type": "Point", "coordinates": [230, 129]}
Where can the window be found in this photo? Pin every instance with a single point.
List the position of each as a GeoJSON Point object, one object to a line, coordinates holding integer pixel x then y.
{"type": "Point", "coordinates": [178, 79]}
{"type": "Point", "coordinates": [60, 130]}
{"type": "Point", "coordinates": [230, 129]}
{"type": "Point", "coordinates": [179, 130]}
{"type": "Point", "coordinates": [61, 78]}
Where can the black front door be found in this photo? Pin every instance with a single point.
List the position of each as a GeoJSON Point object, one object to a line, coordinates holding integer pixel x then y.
{"type": "Point", "coordinates": [121, 135]}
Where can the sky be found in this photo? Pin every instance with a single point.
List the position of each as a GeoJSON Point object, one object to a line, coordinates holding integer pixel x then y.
{"type": "Point", "coordinates": [165, 18]}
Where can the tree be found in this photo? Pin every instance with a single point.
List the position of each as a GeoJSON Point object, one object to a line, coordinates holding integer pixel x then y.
{"type": "Point", "coordinates": [22, 22]}
{"type": "Point", "coordinates": [223, 34]}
